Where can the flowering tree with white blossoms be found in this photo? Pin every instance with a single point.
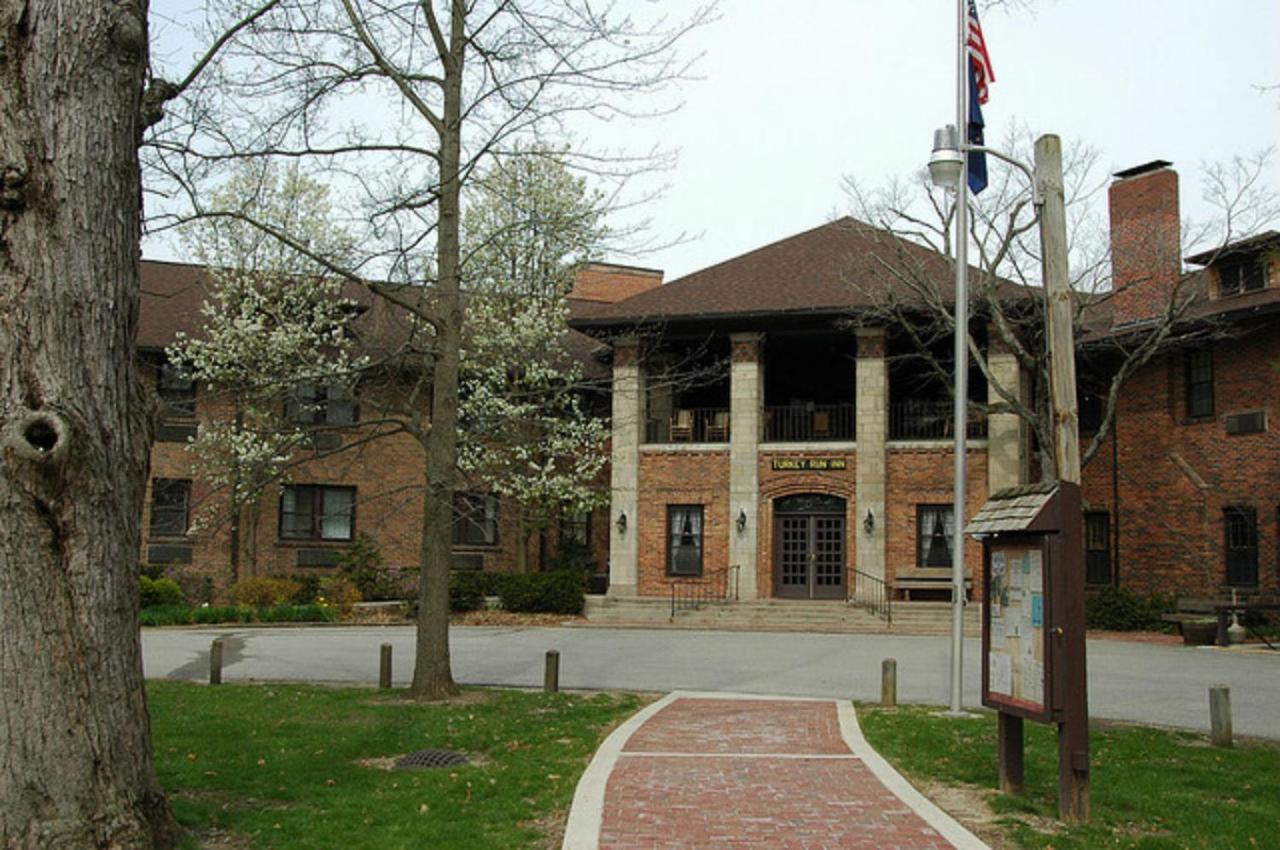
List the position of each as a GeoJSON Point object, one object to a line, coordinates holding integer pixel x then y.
{"type": "Point", "coordinates": [527, 433]}
{"type": "Point", "coordinates": [274, 321]}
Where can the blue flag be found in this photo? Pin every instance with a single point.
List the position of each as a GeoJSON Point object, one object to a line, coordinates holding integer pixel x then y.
{"type": "Point", "coordinates": [973, 135]}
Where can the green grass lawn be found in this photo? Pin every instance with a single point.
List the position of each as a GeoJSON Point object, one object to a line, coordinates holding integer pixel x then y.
{"type": "Point", "coordinates": [1151, 789]}
{"type": "Point", "coordinates": [266, 766]}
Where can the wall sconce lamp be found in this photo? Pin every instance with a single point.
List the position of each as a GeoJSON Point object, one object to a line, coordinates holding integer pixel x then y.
{"type": "Point", "coordinates": [622, 522]}
{"type": "Point", "coordinates": [741, 521]}
{"type": "Point", "coordinates": [869, 522]}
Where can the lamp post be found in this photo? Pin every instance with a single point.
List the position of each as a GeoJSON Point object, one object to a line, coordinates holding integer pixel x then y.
{"type": "Point", "coordinates": [946, 168]}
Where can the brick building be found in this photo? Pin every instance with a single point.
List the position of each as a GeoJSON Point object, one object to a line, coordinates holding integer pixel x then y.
{"type": "Point", "coordinates": [767, 440]}
{"type": "Point", "coordinates": [1185, 496]}
{"type": "Point", "coordinates": [770, 442]}
{"type": "Point", "coordinates": [373, 488]}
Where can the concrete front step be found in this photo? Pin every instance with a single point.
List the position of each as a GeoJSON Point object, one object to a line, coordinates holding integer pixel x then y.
{"type": "Point", "coordinates": [926, 618]}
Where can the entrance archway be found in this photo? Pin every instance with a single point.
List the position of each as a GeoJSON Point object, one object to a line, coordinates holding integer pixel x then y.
{"type": "Point", "coordinates": [809, 546]}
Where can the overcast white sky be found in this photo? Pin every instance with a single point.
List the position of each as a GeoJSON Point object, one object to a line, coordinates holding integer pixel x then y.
{"type": "Point", "coordinates": [792, 96]}
{"type": "Point", "coordinates": [797, 94]}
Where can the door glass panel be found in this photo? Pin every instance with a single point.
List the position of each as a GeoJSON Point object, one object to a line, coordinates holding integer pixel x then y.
{"type": "Point", "coordinates": [795, 551]}
{"type": "Point", "coordinates": [828, 550]}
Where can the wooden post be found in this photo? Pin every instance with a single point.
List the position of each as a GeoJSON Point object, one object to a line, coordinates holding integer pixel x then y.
{"type": "Point", "coordinates": [1073, 730]}
{"type": "Point", "coordinates": [384, 667]}
{"type": "Point", "coordinates": [889, 682]}
{"type": "Point", "coordinates": [215, 662]}
{"type": "Point", "coordinates": [551, 674]}
{"type": "Point", "coordinates": [1009, 744]}
{"type": "Point", "coordinates": [1220, 715]}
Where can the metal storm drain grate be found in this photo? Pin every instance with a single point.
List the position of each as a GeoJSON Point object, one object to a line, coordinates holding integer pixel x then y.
{"type": "Point", "coordinates": [425, 759]}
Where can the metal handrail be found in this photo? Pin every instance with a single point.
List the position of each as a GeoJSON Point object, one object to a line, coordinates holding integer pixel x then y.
{"type": "Point", "coordinates": [873, 593]}
{"type": "Point", "coordinates": [930, 420]}
{"type": "Point", "coordinates": [808, 422]}
{"type": "Point", "coordinates": [692, 593]}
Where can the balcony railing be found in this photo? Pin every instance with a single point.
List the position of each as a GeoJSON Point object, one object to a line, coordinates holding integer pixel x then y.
{"type": "Point", "coordinates": [930, 420]}
{"type": "Point", "coordinates": [690, 425]}
{"type": "Point", "coordinates": [797, 423]}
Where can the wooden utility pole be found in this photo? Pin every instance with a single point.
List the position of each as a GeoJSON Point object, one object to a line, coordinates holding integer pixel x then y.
{"type": "Point", "coordinates": [1073, 728]}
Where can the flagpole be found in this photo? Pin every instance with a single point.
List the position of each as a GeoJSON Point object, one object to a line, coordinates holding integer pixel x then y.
{"type": "Point", "coordinates": [961, 362]}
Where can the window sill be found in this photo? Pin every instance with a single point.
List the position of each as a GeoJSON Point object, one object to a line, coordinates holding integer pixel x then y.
{"type": "Point", "coordinates": [1199, 420]}
{"type": "Point", "coordinates": [475, 547]}
{"type": "Point", "coordinates": [311, 543]}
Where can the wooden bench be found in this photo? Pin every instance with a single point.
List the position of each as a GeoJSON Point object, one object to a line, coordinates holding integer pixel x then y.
{"type": "Point", "coordinates": [936, 580]}
{"type": "Point", "coordinates": [1191, 609]}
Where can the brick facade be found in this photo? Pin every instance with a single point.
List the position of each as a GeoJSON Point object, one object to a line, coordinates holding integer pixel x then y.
{"type": "Point", "coordinates": [681, 477]}
{"type": "Point", "coordinates": [1176, 475]}
{"type": "Point", "coordinates": [387, 474]}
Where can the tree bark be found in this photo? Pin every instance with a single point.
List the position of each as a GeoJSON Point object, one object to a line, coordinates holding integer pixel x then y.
{"type": "Point", "coordinates": [75, 752]}
{"type": "Point", "coordinates": [432, 671]}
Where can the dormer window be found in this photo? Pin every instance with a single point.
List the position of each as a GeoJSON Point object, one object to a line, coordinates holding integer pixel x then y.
{"type": "Point", "coordinates": [1236, 276]}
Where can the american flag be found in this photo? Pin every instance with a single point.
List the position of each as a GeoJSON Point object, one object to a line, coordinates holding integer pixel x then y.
{"type": "Point", "coordinates": [979, 59]}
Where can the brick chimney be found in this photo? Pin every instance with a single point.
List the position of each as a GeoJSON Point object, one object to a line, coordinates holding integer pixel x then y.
{"type": "Point", "coordinates": [610, 283]}
{"type": "Point", "coordinates": [1146, 245]}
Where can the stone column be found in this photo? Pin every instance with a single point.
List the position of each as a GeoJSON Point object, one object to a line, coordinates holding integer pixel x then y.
{"type": "Point", "coordinates": [1005, 456]}
{"type": "Point", "coordinates": [628, 430]}
{"type": "Point", "coordinates": [746, 394]}
{"type": "Point", "coordinates": [872, 409]}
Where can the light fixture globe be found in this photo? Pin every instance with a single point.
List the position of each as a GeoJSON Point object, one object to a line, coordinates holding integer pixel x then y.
{"type": "Point", "coordinates": [946, 161]}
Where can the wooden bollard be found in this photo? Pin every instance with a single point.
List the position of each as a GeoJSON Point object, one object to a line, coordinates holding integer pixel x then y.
{"type": "Point", "coordinates": [889, 682]}
{"type": "Point", "coordinates": [551, 674]}
{"type": "Point", "coordinates": [384, 666]}
{"type": "Point", "coordinates": [215, 662]}
{"type": "Point", "coordinates": [1220, 715]}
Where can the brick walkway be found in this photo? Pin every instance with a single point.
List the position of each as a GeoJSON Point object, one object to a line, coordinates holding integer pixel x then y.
{"type": "Point", "coordinates": [710, 773]}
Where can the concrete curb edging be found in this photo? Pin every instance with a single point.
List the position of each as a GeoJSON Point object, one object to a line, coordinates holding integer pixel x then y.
{"type": "Point", "coordinates": [947, 826]}
{"type": "Point", "coordinates": [586, 812]}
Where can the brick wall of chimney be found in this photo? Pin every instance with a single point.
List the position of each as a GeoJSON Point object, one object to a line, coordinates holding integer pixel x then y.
{"type": "Point", "coordinates": [1146, 245]}
{"type": "Point", "coordinates": [609, 283]}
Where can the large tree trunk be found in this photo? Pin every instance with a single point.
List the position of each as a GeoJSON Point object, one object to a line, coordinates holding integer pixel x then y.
{"type": "Point", "coordinates": [432, 671]}
{"type": "Point", "coordinates": [75, 750]}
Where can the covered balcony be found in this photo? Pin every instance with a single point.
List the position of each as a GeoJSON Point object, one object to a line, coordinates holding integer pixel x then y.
{"type": "Point", "coordinates": [809, 388]}
{"type": "Point", "coordinates": [687, 392]}
{"type": "Point", "coordinates": [920, 406]}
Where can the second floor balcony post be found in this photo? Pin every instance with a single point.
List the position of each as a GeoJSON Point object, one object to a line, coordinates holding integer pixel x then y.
{"type": "Point", "coordinates": [628, 430]}
{"type": "Point", "coordinates": [872, 383]}
{"type": "Point", "coordinates": [746, 394]}
{"type": "Point", "coordinates": [1006, 435]}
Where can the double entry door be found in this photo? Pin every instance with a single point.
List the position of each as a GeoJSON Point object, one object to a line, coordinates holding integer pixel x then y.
{"type": "Point", "coordinates": [810, 544]}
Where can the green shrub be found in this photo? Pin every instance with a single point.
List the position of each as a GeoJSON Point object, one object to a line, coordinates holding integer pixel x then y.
{"type": "Point", "coordinates": [263, 592]}
{"type": "Point", "coordinates": [152, 571]}
{"type": "Point", "coordinates": [561, 592]}
{"type": "Point", "coordinates": [295, 614]}
{"type": "Point", "coordinates": [1118, 609]}
{"type": "Point", "coordinates": [181, 615]}
{"type": "Point", "coordinates": [166, 615]}
{"type": "Point", "coordinates": [466, 590]}
{"type": "Point", "coordinates": [308, 588]}
{"type": "Point", "coordinates": [221, 614]}
{"type": "Point", "coordinates": [362, 563]}
{"type": "Point", "coordinates": [160, 591]}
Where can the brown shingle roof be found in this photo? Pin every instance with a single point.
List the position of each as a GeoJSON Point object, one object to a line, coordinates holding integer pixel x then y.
{"type": "Point", "coordinates": [835, 268]}
{"type": "Point", "coordinates": [171, 297]}
{"type": "Point", "coordinates": [172, 294]}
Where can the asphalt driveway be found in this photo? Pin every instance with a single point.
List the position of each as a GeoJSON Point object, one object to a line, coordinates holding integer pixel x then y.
{"type": "Point", "coordinates": [1163, 685]}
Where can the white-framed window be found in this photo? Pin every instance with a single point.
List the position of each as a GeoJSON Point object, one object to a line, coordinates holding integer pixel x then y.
{"type": "Point", "coordinates": [935, 533]}
{"type": "Point", "coordinates": [684, 540]}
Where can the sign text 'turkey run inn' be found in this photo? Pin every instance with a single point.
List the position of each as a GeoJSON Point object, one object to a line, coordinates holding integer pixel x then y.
{"type": "Point", "coordinates": [809, 464]}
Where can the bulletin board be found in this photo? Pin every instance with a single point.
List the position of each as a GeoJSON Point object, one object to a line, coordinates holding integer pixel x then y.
{"type": "Point", "coordinates": [1016, 649]}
